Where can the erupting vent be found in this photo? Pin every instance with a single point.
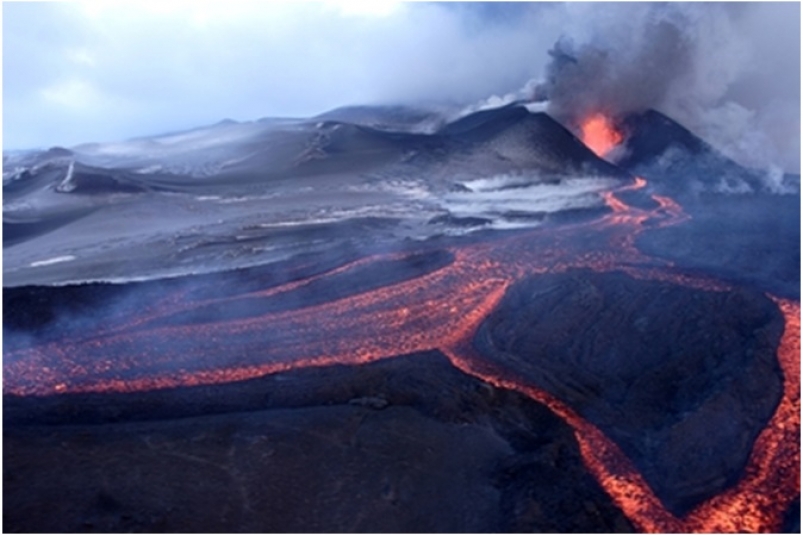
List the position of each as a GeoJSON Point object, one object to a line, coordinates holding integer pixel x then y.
{"type": "Point", "coordinates": [599, 134]}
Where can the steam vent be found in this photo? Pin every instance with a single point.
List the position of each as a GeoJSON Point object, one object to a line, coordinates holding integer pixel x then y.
{"type": "Point", "coordinates": [571, 309]}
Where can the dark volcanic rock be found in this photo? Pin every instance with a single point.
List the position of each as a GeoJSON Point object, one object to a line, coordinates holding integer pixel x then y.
{"type": "Point", "coordinates": [791, 521]}
{"type": "Point", "coordinates": [745, 224]}
{"type": "Point", "coordinates": [479, 126]}
{"type": "Point", "coordinates": [665, 151]}
{"type": "Point", "coordinates": [405, 445]}
{"type": "Point", "coordinates": [682, 379]}
{"type": "Point", "coordinates": [651, 133]}
{"type": "Point", "coordinates": [536, 138]}
{"type": "Point", "coordinates": [753, 239]}
{"type": "Point", "coordinates": [683, 164]}
{"type": "Point", "coordinates": [451, 219]}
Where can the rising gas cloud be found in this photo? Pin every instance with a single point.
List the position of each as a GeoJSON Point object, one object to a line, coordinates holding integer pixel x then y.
{"type": "Point", "coordinates": [728, 72]}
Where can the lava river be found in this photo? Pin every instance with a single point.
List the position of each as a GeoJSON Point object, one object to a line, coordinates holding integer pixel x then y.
{"type": "Point", "coordinates": [439, 310]}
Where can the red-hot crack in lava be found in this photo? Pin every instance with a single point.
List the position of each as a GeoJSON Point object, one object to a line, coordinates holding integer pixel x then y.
{"type": "Point", "coordinates": [439, 310]}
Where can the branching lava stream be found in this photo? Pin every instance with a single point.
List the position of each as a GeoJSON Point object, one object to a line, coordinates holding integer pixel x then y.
{"type": "Point", "coordinates": [439, 310]}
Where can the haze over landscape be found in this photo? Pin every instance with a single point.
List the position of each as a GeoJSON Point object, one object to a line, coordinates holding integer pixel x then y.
{"type": "Point", "coordinates": [80, 72]}
{"type": "Point", "coordinates": [401, 267]}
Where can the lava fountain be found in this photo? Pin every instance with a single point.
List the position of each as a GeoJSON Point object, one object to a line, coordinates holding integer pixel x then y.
{"type": "Point", "coordinates": [599, 134]}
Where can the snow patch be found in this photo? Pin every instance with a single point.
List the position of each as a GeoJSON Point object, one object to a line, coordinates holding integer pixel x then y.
{"type": "Point", "coordinates": [54, 260]}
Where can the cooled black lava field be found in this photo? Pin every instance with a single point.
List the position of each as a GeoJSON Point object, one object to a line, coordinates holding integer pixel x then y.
{"type": "Point", "coordinates": [374, 321]}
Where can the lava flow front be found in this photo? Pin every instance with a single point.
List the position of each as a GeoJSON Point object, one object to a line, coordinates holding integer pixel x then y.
{"type": "Point", "coordinates": [438, 310]}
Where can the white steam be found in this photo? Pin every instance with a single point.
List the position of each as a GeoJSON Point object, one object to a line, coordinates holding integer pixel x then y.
{"type": "Point", "coordinates": [520, 201]}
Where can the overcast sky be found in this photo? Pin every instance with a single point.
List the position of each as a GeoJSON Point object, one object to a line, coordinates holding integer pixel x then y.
{"type": "Point", "coordinates": [76, 72]}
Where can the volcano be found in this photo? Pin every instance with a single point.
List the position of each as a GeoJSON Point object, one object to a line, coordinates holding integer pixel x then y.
{"type": "Point", "coordinates": [390, 319]}
{"type": "Point", "coordinates": [667, 149]}
{"type": "Point", "coordinates": [206, 194]}
{"type": "Point", "coordinates": [733, 209]}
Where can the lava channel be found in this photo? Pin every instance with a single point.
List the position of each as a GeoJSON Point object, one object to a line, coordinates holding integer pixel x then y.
{"type": "Point", "coordinates": [438, 310]}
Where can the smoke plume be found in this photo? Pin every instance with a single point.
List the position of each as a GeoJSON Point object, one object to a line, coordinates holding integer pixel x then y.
{"type": "Point", "coordinates": [728, 72]}
{"type": "Point", "coordinates": [76, 72]}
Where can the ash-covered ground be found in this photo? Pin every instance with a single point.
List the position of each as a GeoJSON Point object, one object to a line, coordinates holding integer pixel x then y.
{"type": "Point", "coordinates": [240, 194]}
{"type": "Point", "coordinates": [97, 237]}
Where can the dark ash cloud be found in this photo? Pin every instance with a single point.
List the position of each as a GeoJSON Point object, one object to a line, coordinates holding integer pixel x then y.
{"type": "Point", "coordinates": [729, 72]}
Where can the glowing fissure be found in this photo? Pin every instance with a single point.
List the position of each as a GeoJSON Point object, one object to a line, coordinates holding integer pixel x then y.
{"type": "Point", "coordinates": [439, 310]}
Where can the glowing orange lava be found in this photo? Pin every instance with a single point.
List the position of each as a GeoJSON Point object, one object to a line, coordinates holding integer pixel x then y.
{"type": "Point", "coordinates": [599, 134]}
{"type": "Point", "coordinates": [755, 505]}
{"type": "Point", "coordinates": [439, 310]}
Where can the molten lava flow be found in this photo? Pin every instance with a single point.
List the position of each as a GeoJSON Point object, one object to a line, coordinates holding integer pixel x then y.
{"type": "Point", "coordinates": [438, 310]}
{"type": "Point", "coordinates": [599, 134]}
{"type": "Point", "coordinates": [756, 504]}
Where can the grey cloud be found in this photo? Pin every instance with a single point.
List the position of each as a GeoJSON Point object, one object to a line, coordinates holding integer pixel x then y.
{"type": "Point", "coordinates": [729, 72]}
